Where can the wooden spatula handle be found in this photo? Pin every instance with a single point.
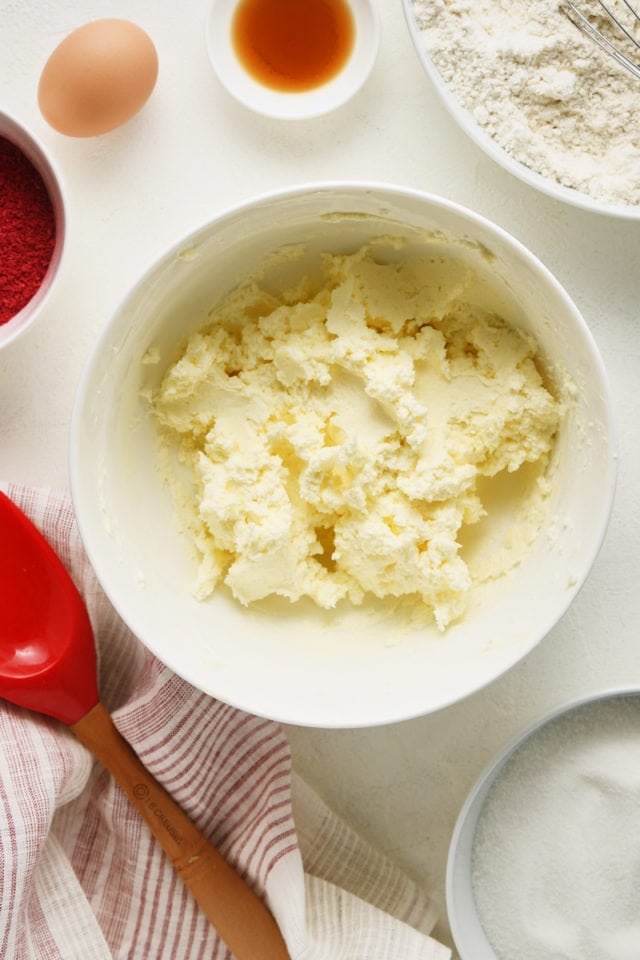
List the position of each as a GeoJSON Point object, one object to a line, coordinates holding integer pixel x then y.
{"type": "Point", "coordinates": [241, 919]}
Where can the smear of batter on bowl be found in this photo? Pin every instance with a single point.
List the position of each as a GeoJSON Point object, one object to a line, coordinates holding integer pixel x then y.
{"type": "Point", "coordinates": [345, 437]}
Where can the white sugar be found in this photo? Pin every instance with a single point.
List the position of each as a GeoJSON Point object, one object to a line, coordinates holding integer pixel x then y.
{"type": "Point", "coordinates": [556, 859]}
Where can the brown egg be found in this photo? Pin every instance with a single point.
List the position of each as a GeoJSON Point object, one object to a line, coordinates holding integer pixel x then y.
{"type": "Point", "coordinates": [97, 78]}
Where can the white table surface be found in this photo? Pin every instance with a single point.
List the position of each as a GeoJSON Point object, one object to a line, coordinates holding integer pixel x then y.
{"type": "Point", "coordinates": [192, 152]}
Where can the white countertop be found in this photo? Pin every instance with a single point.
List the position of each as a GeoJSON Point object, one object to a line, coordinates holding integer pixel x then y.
{"type": "Point", "coordinates": [192, 152]}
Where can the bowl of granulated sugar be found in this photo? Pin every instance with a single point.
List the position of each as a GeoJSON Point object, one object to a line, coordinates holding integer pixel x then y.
{"type": "Point", "coordinates": [32, 228]}
{"type": "Point", "coordinates": [538, 96]}
{"type": "Point", "coordinates": [545, 856]}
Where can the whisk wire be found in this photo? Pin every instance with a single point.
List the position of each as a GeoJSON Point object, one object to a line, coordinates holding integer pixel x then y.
{"type": "Point", "coordinates": [584, 24]}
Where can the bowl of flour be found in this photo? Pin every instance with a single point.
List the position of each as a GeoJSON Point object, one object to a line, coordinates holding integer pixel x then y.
{"type": "Point", "coordinates": [545, 855]}
{"type": "Point", "coordinates": [537, 96]}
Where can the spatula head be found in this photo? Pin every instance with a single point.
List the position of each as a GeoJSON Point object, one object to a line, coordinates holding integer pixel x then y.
{"type": "Point", "coordinates": [47, 651]}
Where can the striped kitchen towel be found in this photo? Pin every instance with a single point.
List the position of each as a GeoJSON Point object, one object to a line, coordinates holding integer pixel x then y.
{"type": "Point", "coordinates": [81, 877]}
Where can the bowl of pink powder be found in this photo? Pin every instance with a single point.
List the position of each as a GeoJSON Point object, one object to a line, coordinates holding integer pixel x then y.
{"type": "Point", "coordinates": [32, 228]}
{"type": "Point", "coordinates": [545, 856]}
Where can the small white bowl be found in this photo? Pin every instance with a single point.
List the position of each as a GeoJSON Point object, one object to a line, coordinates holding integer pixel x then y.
{"type": "Point", "coordinates": [11, 129]}
{"type": "Point", "coordinates": [292, 106]}
{"type": "Point", "coordinates": [354, 666]}
{"type": "Point", "coordinates": [468, 933]}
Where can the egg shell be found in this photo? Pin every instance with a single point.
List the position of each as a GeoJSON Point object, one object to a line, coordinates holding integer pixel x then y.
{"type": "Point", "coordinates": [97, 78]}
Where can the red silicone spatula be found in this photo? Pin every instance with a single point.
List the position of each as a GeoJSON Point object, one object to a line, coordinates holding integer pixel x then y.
{"type": "Point", "coordinates": [48, 664]}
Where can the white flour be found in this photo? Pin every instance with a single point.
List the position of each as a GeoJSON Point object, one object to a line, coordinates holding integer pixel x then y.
{"type": "Point", "coordinates": [541, 89]}
{"type": "Point", "coordinates": [557, 848]}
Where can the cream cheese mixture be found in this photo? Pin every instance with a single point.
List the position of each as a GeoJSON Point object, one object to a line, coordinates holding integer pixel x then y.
{"type": "Point", "coordinates": [337, 439]}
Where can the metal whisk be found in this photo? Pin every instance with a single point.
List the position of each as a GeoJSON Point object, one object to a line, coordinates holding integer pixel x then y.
{"type": "Point", "coordinates": [609, 46]}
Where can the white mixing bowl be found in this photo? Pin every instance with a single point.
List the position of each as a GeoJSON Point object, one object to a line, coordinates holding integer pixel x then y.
{"type": "Point", "coordinates": [294, 662]}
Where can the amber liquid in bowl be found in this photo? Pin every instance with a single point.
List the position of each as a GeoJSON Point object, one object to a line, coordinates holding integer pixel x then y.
{"type": "Point", "coordinates": [293, 45]}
